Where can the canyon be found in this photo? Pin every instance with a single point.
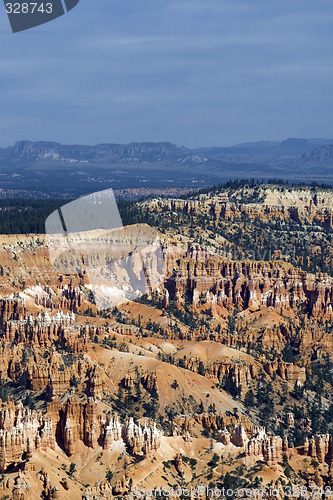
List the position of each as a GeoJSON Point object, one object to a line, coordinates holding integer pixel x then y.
{"type": "Point", "coordinates": [224, 365]}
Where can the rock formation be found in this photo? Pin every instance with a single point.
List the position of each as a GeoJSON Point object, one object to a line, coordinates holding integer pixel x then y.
{"type": "Point", "coordinates": [23, 430]}
{"type": "Point", "coordinates": [140, 440]}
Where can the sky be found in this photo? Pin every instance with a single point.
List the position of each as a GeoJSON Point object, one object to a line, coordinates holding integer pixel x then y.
{"type": "Point", "coordinates": [195, 73]}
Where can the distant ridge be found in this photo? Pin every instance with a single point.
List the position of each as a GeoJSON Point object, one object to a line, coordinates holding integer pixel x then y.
{"type": "Point", "coordinates": [46, 168]}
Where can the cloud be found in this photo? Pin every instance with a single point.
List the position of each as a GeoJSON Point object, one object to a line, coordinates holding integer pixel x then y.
{"type": "Point", "coordinates": [197, 73]}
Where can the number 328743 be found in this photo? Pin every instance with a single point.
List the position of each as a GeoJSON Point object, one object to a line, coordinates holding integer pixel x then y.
{"type": "Point", "coordinates": [28, 8]}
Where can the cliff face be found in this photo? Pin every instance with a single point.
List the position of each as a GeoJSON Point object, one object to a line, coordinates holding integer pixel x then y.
{"type": "Point", "coordinates": [141, 440]}
{"type": "Point", "coordinates": [242, 433]}
{"type": "Point", "coordinates": [238, 372]}
{"type": "Point", "coordinates": [185, 426]}
{"type": "Point", "coordinates": [68, 297]}
{"type": "Point", "coordinates": [22, 431]}
{"type": "Point", "coordinates": [270, 449]}
{"type": "Point", "coordinates": [320, 447]}
{"type": "Point", "coordinates": [12, 309]}
{"type": "Point", "coordinates": [262, 203]}
{"type": "Point", "coordinates": [287, 371]}
{"type": "Point", "coordinates": [81, 422]}
{"type": "Point", "coordinates": [208, 284]}
{"type": "Point", "coordinates": [21, 428]}
{"type": "Point", "coordinates": [212, 282]}
{"type": "Point", "coordinates": [149, 382]}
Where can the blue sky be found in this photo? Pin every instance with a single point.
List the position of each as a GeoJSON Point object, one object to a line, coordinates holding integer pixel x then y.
{"type": "Point", "coordinates": [196, 73]}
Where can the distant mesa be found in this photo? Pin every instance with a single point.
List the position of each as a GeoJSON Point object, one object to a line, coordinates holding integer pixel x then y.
{"type": "Point", "coordinates": [57, 170]}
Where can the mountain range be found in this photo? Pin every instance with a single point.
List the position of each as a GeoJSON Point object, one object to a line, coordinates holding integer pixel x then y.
{"type": "Point", "coordinates": [43, 169]}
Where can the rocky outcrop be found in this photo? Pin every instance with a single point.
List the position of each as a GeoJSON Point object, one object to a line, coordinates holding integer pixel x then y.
{"type": "Point", "coordinates": [320, 447]}
{"type": "Point", "coordinates": [129, 380]}
{"type": "Point", "coordinates": [149, 382]}
{"type": "Point", "coordinates": [17, 489]}
{"type": "Point", "coordinates": [121, 487]}
{"type": "Point", "coordinates": [79, 422]}
{"type": "Point", "coordinates": [95, 382]}
{"type": "Point", "coordinates": [112, 432]}
{"type": "Point", "coordinates": [286, 371]}
{"type": "Point", "coordinates": [219, 422]}
{"type": "Point", "coordinates": [50, 492]}
{"type": "Point", "coordinates": [20, 430]}
{"type": "Point", "coordinates": [43, 335]}
{"type": "Point", "coordinates": [263, 203]}
{"type": "Point", "coordinates": [224, 437]}
{"type": "Point", "coordinates": [238, 372]}
{"type": "Point", "coordinates": [68, 297]}
{"type": "Point", "coordinates": [267, 448]}
{"type": "Point", "coordinates": [214, 282]}
{"type": "Point", "coordinates": [13, 308]}
{"type": "Point", "coordinates": [165, 299]}
{"type": "Point", "coordinates": [238, 436]}
{"type": "Point", "coordinates": [101, 491]}
{"type": "Point", "coordinates": [179, 465]}
{"type": "Point", "coordinates": [141, 440]}
{"type": "Point", "coordinates": [272, 448]}
{"type": "Point", "coordinates": [290, 420]}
